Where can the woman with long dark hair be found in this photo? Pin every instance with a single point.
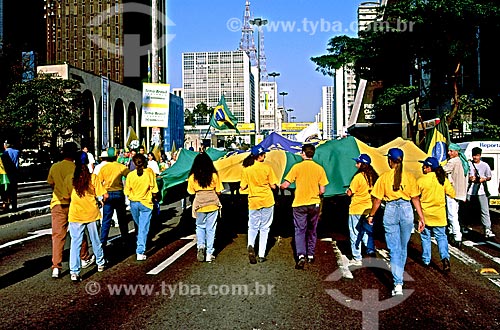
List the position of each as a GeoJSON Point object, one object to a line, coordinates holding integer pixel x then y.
{"type": "Point", "coordinates": [141, 188]}
{"type": "Point", "coordinates": [83, 213]}
{"type": "Point", "coordinates": [397, 188]}
{"type": "Point", "coordinates": [204, 183]}
{"type": "Point", "coordinates": [361, 203]}
{"type": "Point", "coordinates": [434, 188]}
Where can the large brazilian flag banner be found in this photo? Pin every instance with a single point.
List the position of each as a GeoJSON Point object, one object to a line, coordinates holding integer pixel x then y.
{"type": "Point", "coordinates": [336, 157]}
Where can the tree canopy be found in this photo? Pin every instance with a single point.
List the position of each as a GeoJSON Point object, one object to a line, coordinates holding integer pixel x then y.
{"type": "Point", "coordinates": [41, 111]}
{"type": "Point", "coordinates": [437, 38]}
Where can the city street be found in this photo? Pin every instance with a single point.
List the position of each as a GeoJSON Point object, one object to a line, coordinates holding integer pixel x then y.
{"type": "Point", "coordinates": [171, 289]}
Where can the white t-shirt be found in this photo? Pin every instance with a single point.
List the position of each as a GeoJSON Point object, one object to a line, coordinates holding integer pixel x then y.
{"type": "Point", "coordinates": [91, 162]}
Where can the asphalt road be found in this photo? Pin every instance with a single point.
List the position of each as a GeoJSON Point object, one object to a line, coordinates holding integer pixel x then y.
{"type": "Point", "coordinates": [173, 290]}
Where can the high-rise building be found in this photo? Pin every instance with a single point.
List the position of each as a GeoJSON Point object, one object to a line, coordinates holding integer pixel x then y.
{"type": "Point", "coordinates": [206, 76]}
{"type": "Point", "coordinates": [367, 13]}
{"type": "Point", "coordinates": [327, 111]}
{"type": "Point", "coordinates": [104, 37]}
{"type": "Point", "coordinates": [270, 117]}
{"type": "Point", "coordinates": [344, 95]}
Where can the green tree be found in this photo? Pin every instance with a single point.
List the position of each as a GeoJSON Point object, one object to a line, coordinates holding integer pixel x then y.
{"type": "Point", "coordinates": [436, 36]}
{"type": "Point", "coordinates": [41, 111]}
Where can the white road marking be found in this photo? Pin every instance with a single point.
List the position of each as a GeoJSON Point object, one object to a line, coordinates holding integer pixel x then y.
{"type": "Point", "coordinates": [175, 256]}
{"type": "Point", "coordinates": [36, 234]}
{"type": "Point", "coordinates": [487, 255]}
{"type": "Point", "coordinates": [341, 261]}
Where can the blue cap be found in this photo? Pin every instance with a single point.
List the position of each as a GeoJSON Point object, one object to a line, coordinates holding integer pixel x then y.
{"type": "Point", "coordinates": [363, 159]}
{"type": "Point", "coordinates": [111, 152]}
{"type": "Point", "coordinates": [395, 153]}
{"type": "Point", "coordinates": [258, 150]}
{"type": "Point", "coordinates": [430, 161]}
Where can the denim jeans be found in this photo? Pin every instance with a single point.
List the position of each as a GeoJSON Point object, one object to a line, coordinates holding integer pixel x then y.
{"type": "Point", "coordinates": [260, 221]}
{"type": "Point", "coordinates": [305, 220]}
{"type": "Point", "coordinates": [206, 224]}
{"type": "Point", "coordinates": [442, 242]}
{"type": "Point", "coordinates": [115, 201]}
{"type": "Point", "coordinates": [356, 222]}
{"type": "Point", "coordinates": [452, 213]}
{"type": "Point", "coordinates": [142, 218]}
{"type": "Point", "coordinates": [398, 224]}
{"type": "Point", "coordinates": [76, 230]}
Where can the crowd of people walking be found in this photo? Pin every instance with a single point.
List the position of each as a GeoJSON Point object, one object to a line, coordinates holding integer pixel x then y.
{"type": "Point", "coordinates": [88, 195]}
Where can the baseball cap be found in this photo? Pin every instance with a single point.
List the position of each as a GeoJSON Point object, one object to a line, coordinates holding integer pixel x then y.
{"type": "Point", "coordinates": [430, 161]}
{"type": "Point", "coordinates": [395, 153]}
{"type": "Point", "coordinates": [363, 159]}
{"type": "Point", "coordinates": [258, 150]}
{"type": "Point", "coordinates": [104, 154]}
{"type": "Point", "coordinates": [111, 152]}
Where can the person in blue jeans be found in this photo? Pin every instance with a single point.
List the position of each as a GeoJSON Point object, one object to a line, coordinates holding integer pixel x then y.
{"type": "Point", "coordinates": [397, 188]}
{"type": "Point", "coordinates": [205, 185]}
{"type": "Point", "coordinates": [361, 203]}
{"type": "Point", "coordinates": [434, 189]}
{"type": "Point", "coordinates": [141, 189]}
{"type": "Point", "coordinates": [110, 176]}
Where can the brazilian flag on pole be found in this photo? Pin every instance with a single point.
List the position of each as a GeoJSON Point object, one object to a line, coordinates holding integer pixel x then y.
{"type": "Point", "coordinates": [436, 142]}
{"type": "Point", "coordinates": [222, 118]}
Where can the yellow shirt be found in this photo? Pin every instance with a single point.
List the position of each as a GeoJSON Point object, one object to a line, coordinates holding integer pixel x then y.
{"type": "Point", "coordinates": [308, 177]}
{"type": "Point", "coordinates": [141, 188]}
{"type": "Point", "coordinates": [361, 200]}
{"type": "Point", "coordinates": [258, 179]}
{"type": "Point", "coordinates": [383, 187]}
{"type": "Point", "coordinates": [432, 199]}
{"type": "Point", "coordinates": [110, 175]}
{"type": "Point", "coordinates": [83, 209]}
{"type": "Point", "coordinates": [216, 185]}
{"type": "Point", "coordinates": [57, 176]}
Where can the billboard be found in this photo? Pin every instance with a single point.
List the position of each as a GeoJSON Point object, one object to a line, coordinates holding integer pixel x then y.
{"type": "Point", "coordinates": [155, 105]}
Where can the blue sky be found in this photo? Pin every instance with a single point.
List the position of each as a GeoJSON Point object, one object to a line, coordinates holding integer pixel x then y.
{"type": "Point", "coordinates": [297, 30]}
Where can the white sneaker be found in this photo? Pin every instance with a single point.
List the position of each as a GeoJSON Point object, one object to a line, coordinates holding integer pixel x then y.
{"type": "Point", "coordinates": [488, 233]}
{"type": "Point", "coordinates": [398, 290]}
{"type": "Point", "coordinates": [56, 273]}
{"type": "Point", "coordinates": [210, 258]}
{"type": "Point", "coordinates": [75, 278]}
{"type": "Point", "coordinates": [100, 268]}
{"type": "Point", "coordinates": [355, 263]}
{"type": "Point", "coordinates": [88, 263]}
{"type": "Point", "coordinates": [141, 257]}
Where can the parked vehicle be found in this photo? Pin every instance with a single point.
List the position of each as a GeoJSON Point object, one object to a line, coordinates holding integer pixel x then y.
{"type": "Point", "coordinates": [490, 155]}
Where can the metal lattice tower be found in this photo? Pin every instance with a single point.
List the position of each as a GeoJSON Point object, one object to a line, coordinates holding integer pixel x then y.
{"type": "Point", "coordinates": [247, 41]}
{"type": "Point", "coordinates": [262, 56]}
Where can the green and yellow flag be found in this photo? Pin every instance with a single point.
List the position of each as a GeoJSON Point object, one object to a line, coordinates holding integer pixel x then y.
{"type": "Point", "coordinates": [222, 118]}
{"type": "Point", "coordinates": [436, 142]}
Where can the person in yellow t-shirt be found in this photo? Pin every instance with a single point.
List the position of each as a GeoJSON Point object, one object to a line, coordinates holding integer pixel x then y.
{"type": "Point", "coordinates": [310, 180]}
{"type": "Point", "coordinates": [59, 208]}
{"type": "Point", "coordinates": [205, 184]}
{"type": "Point", "coordinates": [434, 187]}
{"type": "Point", "coordinates": [141, 188]}
{"type": "Point", "coordinates": [83, 189]}
{"type": "Point", "coordinates": [361, 203]}
{"type": "Point", "coordinates": [110, 176]}
{"type": "Point", "coordinates": [258, 179]}
{"type": "Point", "coordinates": [397, 188]}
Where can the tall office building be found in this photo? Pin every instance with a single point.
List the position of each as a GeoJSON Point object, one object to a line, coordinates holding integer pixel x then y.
{"type": "Point", "coordinates": [270, 117]}
{"type": "Point", "coordinates": [344, 95]}
{"type": "Point", "coordinates": [104, 37]}
{"type": "Point", "coordinates": [327, 111]}
{"type": "Point", "coordinates": [206, 76]}
{"type": "Point", "coordinates": [367, 13]}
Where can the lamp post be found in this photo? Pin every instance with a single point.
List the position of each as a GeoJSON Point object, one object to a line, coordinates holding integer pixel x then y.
{"type": "Point", "coordinates": [290, 114]}
{"type": "Point", "coordinates": [274, 75]}
{"type": "Point", "coordinates": [275, 96]}
{"type": "Point", "coordinates": [258, 22]}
